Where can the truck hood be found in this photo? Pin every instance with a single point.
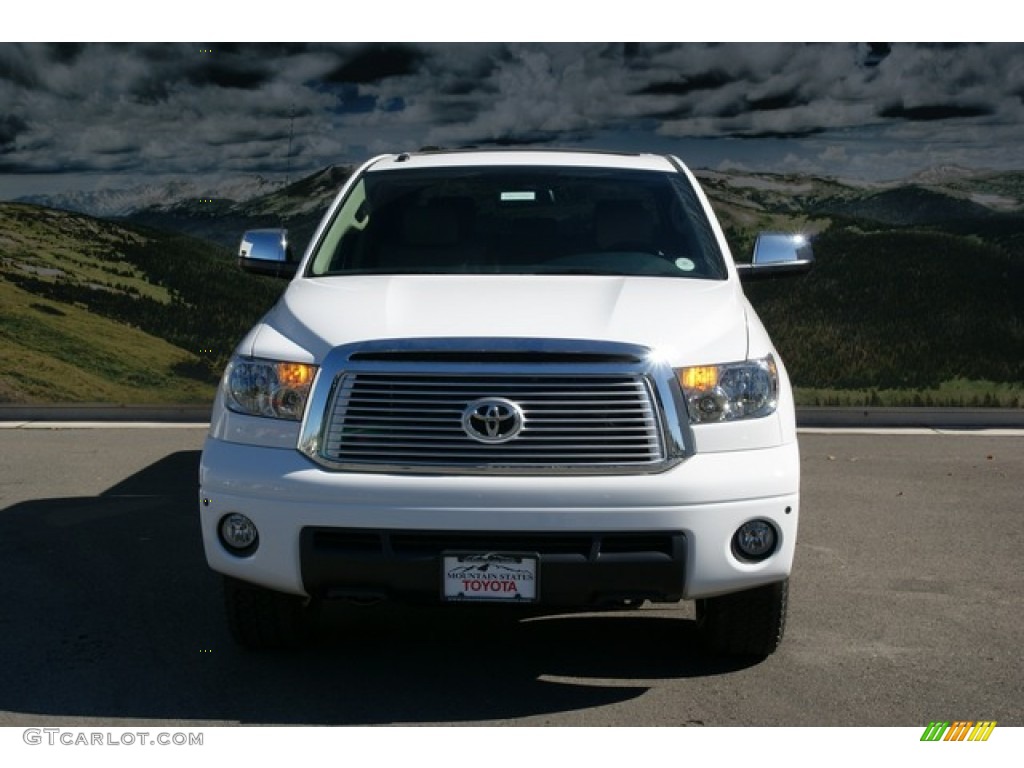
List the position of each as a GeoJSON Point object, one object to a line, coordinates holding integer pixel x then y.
{"type": "Point", "coordinates": [688, 322]}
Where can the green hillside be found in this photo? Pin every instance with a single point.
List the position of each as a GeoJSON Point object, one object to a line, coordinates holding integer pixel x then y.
{"type": "Point", "coordinates": [92, 311]}
{"type": "Point", "coordinates": [900, 310]}
{"type": "Point", "coordinates": [917, 296]}
{"type": "Point", "coordinates": [53, 352]}
{"type": "Point", "coordinates": [908, 206]}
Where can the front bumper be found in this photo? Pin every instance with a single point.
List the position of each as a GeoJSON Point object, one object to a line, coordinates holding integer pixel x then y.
{"type": "Point", "coordinates": [698, 505]}
{"type": "Point", "coordinates": [588, 569]}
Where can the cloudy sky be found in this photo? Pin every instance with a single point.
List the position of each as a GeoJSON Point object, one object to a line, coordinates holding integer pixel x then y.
{"type": "Point", "coordinates": [110, 115]}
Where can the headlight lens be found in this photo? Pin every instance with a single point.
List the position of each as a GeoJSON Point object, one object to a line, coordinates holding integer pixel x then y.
{"type": "Point", "coordinates": [746, 390]}
{"type": "Point", "coordinates": [277, 390]}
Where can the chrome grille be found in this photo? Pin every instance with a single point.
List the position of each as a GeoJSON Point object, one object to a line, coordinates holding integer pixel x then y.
{"type": "Point", "coordinates": [413, 420]}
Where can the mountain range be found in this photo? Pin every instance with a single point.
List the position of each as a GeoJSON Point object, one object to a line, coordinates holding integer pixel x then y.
{"type": "Point", "coordinates": [124, 201]}
{"type": "Point", "coordinates": [743, 200]}
{"type": "Point", "coordinates": [918, 290]}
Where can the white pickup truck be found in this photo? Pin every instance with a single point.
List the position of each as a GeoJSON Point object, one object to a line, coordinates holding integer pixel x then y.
{"type": "Point", "coordinates": [529, 378]}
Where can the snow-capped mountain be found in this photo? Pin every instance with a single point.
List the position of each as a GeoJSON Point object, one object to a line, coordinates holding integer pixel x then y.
{"type": "Point", "coordinates": [124, 201]}
{"type": "Point", "coordinates": [221, 219]}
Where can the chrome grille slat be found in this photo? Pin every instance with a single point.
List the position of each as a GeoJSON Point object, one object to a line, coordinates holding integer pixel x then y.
{"type": "Point", "coordinates": [570, 421]}
{"type": "Point", "coordinates": [371, 402]}
{"type": "Point", "coordinates": [442, 442]}
{"type": "Point", "coordinates": [410, 457]}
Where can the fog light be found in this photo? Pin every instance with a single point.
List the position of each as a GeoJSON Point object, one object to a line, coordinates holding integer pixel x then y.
{"type": "Point", "coordinates": [238, 533]}
{"type": "Point", "coordinates": [755, 540]}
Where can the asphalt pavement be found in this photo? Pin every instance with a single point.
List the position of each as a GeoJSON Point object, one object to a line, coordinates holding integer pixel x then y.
{"type": "Point", "coordinates": [907, 606]}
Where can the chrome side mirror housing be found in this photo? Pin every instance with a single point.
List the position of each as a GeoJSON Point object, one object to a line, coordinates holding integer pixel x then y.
{"type": "Point", "coordinates": [266, 252]}
{"type": "Point", "coordinates": [777, 254]}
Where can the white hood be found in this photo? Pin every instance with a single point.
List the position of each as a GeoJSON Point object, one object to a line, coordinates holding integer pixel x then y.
{"type": "Point", "coordinates": [688, 322]}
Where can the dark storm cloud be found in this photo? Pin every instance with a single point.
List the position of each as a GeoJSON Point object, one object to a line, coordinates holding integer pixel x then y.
{"type": "Point", "coordinates": [454, 111]}
{"type": "Point", "coordinates": [10, 127]}
{"type": "Point", "coordinates": [779, 134]}
{"type": "Point", "coordinates": [16, 68]}
{"type": "Point", "coordinates": [686, 90]}
{"type": "Point", "coordinates": [157, 108]}
{"type": "Point", "coordinates": [930, 112]}
{"type": "Point", "coordinates": [875, 53]}
{"type": "Point", "coordinates": [206, 107]}
{"type": "Point", "coordinates": [55, 166]}
{"type": "Point", "coordinates": [464, 86]}
{"type": "Point", "coordinates": [262, 51]}
{"type": "Point", "coordinates": [536, 140]}
{"type": "Point", "coordinates": [228, 74]}
{"type": "Point", "coordinates": [242, 135]}
{"type": "Point", "coordinates": [373, 63]}
{"type": "Point", "coordinates": [684, 86]}
{"type": "Point", "coordinates": [785, 100]}
{"type": "Point", "coordinates": [65, 53]}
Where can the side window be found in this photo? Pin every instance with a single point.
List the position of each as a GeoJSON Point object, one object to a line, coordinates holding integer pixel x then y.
{"type": "Point", "coordinates": [343, 237]}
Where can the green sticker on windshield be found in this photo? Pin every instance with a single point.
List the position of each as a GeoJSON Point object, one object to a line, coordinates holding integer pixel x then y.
{"type": "Point", "coordinates": [518, 195]}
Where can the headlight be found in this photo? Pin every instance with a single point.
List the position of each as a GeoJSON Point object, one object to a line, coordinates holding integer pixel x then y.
{"type": "Point", "coordinates": [732, 391]}
{"type": "Point", "coordinates": [268, 388]}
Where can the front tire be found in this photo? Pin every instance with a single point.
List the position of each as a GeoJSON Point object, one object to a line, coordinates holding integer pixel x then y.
{"type": "Point", "coordinates": [261, 619]}
{"type": "Point", "coordinates": [747, 623]}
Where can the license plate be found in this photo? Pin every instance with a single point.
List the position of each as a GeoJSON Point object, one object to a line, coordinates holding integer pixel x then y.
{"type": "Point", "coordinates": [491, 577]}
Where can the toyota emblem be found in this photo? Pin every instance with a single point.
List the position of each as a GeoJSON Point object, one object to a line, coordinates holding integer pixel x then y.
{"type": "Point", "coordinates": [492, 420]}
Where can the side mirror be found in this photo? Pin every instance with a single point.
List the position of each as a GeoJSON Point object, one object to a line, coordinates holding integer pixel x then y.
{"type": "Point", "coordinates": [777, 254]}
{"type": "Point", "coordinates": [266, 252]}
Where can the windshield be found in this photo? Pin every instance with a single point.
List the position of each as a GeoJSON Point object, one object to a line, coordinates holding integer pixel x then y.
{"type": "Point", "coordinates": [536, 220]}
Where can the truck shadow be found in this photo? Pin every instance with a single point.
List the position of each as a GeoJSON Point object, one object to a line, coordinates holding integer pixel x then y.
{"type": "Point", "coordinates": [108, 611]}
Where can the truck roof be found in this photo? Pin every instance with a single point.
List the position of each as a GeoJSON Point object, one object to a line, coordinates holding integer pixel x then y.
{"type": "Point", "coordinates": [524, 157]}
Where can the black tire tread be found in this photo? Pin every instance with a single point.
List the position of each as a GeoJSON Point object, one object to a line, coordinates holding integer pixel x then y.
{"type": "Point", "coordinates": [262, 619]}
{"type": "Point", "coordinates": [747, 623]}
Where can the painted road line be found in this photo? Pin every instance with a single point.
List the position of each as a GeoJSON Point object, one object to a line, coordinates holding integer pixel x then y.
{"type": "Point", "coordinates": [876, 431]}
{"type": "Point", "coordinates": [103, 425]}
{"type": "Point", "coordinates": [912, 431]}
